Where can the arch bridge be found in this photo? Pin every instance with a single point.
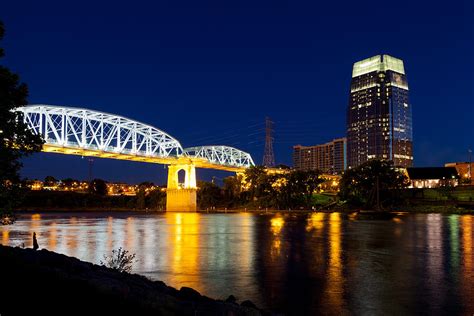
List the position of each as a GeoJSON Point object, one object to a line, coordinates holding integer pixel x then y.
{"type": "Point", "coordinates": [85, 132]}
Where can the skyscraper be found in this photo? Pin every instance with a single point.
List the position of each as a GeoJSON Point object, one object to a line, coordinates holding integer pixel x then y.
{"type": "Point", "coordinates": [379, 121]}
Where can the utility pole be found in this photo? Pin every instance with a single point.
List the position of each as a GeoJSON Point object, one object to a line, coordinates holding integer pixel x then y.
{"type": "Point", "coordinates": [268, 155]}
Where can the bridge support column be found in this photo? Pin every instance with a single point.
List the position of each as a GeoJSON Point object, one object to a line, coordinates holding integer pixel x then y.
{"type": "Point", "coordinates": [181, 197]}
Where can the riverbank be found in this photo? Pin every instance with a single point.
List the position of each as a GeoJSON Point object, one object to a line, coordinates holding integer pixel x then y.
{"type": "Point", "coordinates": [48, 283]}
{"type": "Point", "coordinates": [420, 208]}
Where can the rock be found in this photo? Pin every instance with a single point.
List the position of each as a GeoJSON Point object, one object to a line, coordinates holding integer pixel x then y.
{"type": "Point", "coordinates": [231, 299]}
{"type": "Point", "coordinates": [189, 293]}
{"type": "Point", "coordinates": [94, 289]}
{"type": "Point", "coordinates": [248, 303]}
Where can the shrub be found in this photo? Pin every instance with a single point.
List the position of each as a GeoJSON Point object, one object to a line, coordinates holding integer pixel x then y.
{"type": "Point", "coordinates": [120, 260]}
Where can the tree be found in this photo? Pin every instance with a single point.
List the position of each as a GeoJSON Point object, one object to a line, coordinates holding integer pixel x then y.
{"type": "Point", "coordinates": [209, 194]}
{"type": "Point", "coordinates": [17, 141]}
{"type": "Point", "coordinates": [98, 187]}
{"type": "Point", "coordinates": [295, 188]}
{"type": "Point", "coordinates": [233, 190]}
{"type": "Point", "coordinates": [156, 199]}
{"type": "Point", "coordinates": [258, 183]}
{"type": "Point", "coordinates": [50, 181]}
{"type": "Point", "coordinates": [358, 186]}
{"type": "Point", "coordinates": [141, 197]}
{"type": "Point", "coordinates": [302, 184]}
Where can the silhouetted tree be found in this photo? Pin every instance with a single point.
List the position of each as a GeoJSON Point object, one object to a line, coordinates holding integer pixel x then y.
{"type": "Point", "coordinates": [50, 181]}
{"type": "Point", "coordinates": [98, 187]}
{"type": "Point", "coordinates": [208, 194]}
{"type": "Point", "coordinates": [358, 186]}
{"type": "Point", "coordinates": [258, 183]}
{"type": "Point", "coordinates": [233, 190]}
{"type": "Point", "coordinates": [156, 199]}
{"type": "Point", "coordinates": [69, 182]}
{"type": "Point", "coordinates": [17, 141]}
{"type": "Point", "coordinates": [141, 197]}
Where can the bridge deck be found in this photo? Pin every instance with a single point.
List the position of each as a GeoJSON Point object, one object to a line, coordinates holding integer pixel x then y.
{"type": "Point", "coordinates": [197, 162]}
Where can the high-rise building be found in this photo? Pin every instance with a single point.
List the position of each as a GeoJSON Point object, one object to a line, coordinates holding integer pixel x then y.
{"type": "Point", "coordinates": [329, 157]}
{"type": "Point", "coordinates": [379, 121]}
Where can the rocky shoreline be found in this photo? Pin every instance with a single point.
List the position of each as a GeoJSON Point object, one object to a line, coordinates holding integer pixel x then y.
{"type": "Point", "coordinates": [48, 283]}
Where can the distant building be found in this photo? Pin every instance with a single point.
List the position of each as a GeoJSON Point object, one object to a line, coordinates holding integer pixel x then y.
{"type": "Point", "coordinates": [34, 185]}
{"type": "Point", "coordinates": [465, 171]}
{"type": "Point", "coordinates": [329, 158]}
{"type": "Point", "coordinates": [379, 120]}
{"type": "Point", "coordinates": [121, 189]}
{"type": "Point", "coordinates": [432, 177]}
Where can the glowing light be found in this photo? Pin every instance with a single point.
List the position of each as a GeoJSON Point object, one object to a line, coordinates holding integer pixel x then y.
{"type": "Point", "coordinates": [378, 63]}
{"type": "Point", "coordinates": [277, 224]}
{"type": "Point", "coordinates": [315, 221]}
{"type": "Point", "coordinates": [5, 237]}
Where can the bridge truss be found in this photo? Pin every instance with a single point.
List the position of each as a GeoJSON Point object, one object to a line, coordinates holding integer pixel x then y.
{"type": "Point", "coordinates": [221, 155]}
{"type": "Point", "coordinates": [79, 131]}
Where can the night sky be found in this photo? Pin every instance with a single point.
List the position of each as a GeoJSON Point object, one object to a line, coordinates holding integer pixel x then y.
{"type": "Point", "coordinates": [209, 72]}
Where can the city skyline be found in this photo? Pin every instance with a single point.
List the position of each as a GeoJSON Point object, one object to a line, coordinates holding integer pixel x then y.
{"type": "Point", "coordinates": [226, 68]}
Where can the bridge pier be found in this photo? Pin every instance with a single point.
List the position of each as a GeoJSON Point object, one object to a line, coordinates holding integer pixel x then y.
{"type": "Point", "coordinates": [181, 197]}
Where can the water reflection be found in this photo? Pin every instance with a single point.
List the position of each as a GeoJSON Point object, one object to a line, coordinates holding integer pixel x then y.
{"type": "Point", "coordinates": [183, 239]}
{"type": "Point", "coordinates": [5, 237]}
{"type": "Point", "coordinates": [334, 289]}
{"type": "Point", "coordinates": [317, 263]}
{"type": "Point", "coordinates": [468, 256]}
{"type": "Point", "coordinates": [315, 221]}
{"type": "Point", "coordinates": [276, 225]}
{"type": "Point", "coordinates": [467, 224]}
{"type": "Point", "coordinates": [53, 236]}
{"type": "Point", "coordinates": [454, 241]}
{"type": "Point", "coordinates": [435, 259]}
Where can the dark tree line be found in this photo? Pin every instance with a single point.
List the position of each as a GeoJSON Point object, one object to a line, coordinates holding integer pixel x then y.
{"type": "Point", "coordinates": [258, 188]}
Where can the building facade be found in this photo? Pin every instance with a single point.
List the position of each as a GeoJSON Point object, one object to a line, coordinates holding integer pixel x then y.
{"type": "Point", "coordinates": [432, 177]}
{"type": "Point", "coordinates": [329, 158]}
{"type": "Point", "coordinates": [379, 119]}
{"type": "Point", "coordinates": [465, 171]}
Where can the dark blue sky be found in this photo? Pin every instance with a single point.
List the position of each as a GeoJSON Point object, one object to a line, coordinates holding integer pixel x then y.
{"type": "Point", "coordinates": [209, 72]}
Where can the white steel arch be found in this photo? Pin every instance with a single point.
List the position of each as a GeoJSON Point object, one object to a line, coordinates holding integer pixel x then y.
{"type": "Point", "coordinates": [221, 155]}
{"type": "Point", "coordinates": [93, 130]}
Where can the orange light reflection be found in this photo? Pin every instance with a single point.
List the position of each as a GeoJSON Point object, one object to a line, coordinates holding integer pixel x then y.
{"type": "Point", "coordinates": [184, 242]}
{"type": "Point", "coordinates": [335, 280]}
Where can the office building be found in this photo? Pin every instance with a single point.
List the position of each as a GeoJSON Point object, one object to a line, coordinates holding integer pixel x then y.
{"type": "Point", "coordinates": [379, 119]}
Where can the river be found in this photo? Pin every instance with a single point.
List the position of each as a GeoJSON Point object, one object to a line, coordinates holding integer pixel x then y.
{"type": "Point", "coordinates": [297, 264]}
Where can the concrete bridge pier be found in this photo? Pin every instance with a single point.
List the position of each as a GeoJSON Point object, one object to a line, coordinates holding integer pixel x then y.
{"type": "Point", "coordinates": [181, 197]}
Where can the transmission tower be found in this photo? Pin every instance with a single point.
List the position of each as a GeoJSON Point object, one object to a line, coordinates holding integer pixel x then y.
{"type": "Point", "coordinates": [268, 155]}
